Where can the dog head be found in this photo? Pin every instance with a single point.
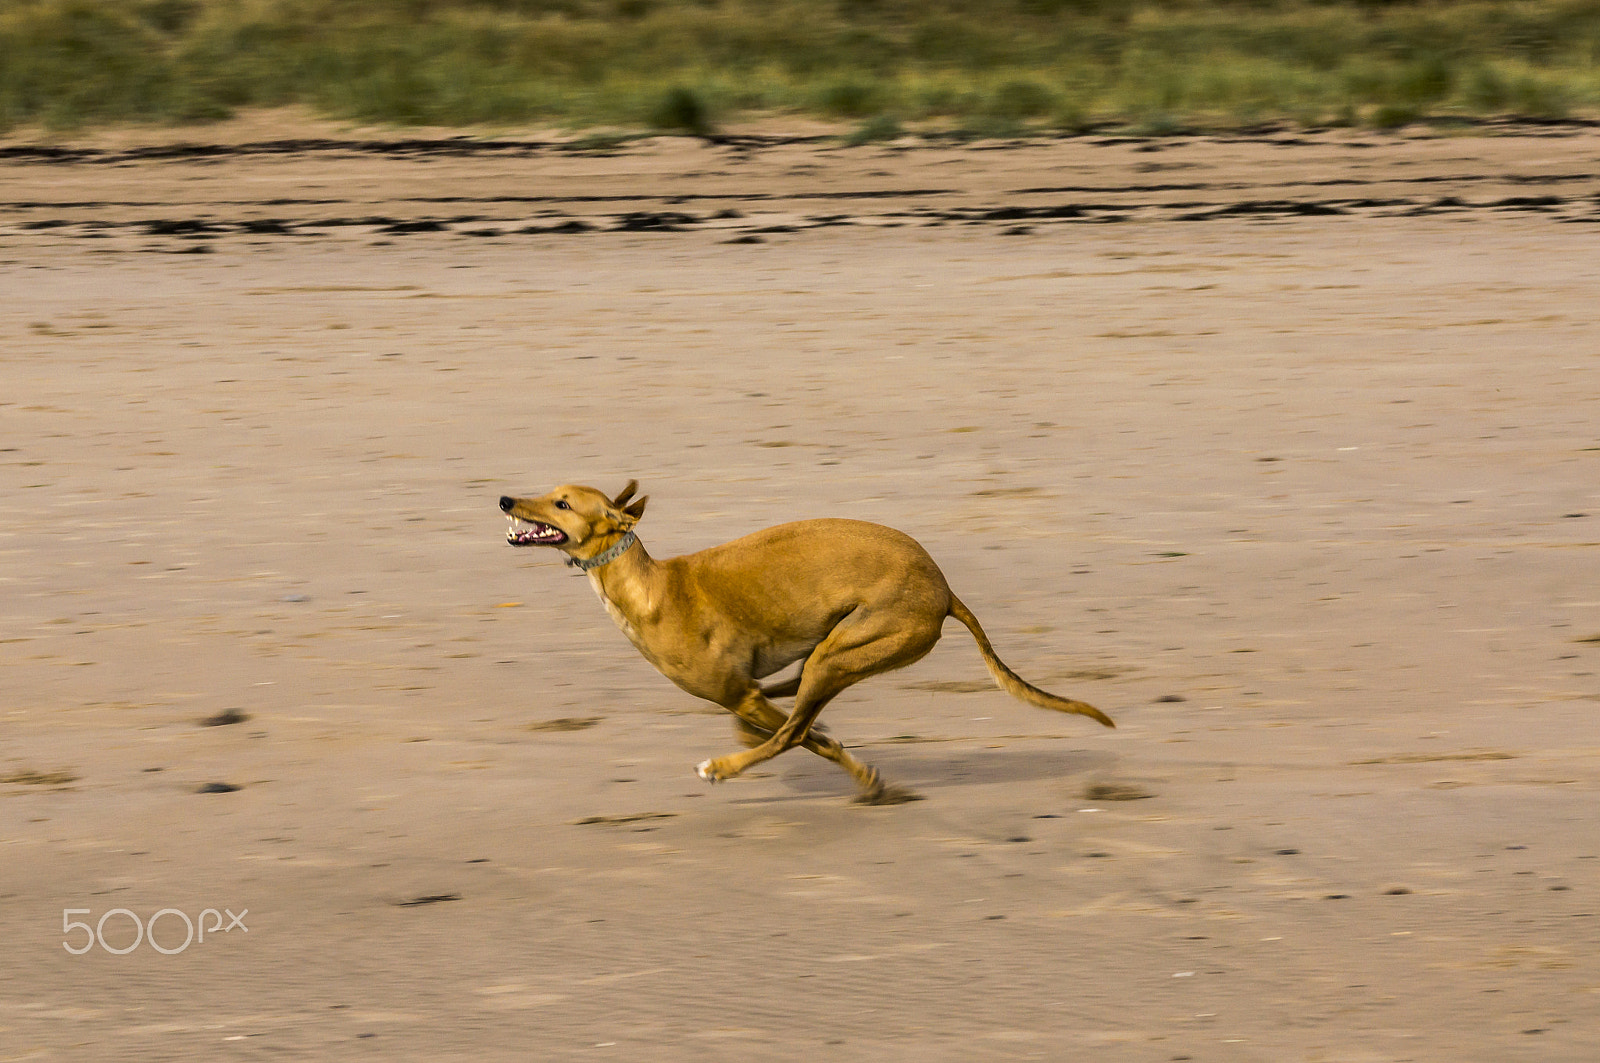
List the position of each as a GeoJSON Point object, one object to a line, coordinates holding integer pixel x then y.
{"type": "Point", "coordinates": [573, 517]}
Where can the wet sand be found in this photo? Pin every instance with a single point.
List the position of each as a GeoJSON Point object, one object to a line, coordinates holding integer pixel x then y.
{"type": "Point", "coordinates": [1283, 450]}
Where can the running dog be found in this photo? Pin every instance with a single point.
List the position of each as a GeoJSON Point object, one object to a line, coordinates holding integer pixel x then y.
{"type": "Point", "coordinates": [848, 598]}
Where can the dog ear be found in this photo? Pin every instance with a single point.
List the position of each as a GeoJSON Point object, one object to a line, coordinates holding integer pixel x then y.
{"type": "Point", "coordinates": [625, 494]}
{"type": "Point", "coordinates": [637, 509]}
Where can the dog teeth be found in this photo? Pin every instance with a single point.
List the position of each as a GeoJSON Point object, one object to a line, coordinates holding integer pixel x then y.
{"type": "Point", "coordinates": [525, 533]}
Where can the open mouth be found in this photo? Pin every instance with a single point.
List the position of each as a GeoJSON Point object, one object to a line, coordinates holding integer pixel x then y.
{"type": "Point", "coordinates": [533, 533]}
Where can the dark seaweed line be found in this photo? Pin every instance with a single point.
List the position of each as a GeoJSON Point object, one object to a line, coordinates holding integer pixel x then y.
{"type": "Point", "coordinates": [690, 197]}
{"type": "Point", "coordinates": [452, 146]}
{"type": "Point", "coordinates": [467, 145]}
{"type": "Point", "coordinates": [643, 221]}
{"type": "Point", "coordinates": [904, 193]}
{"type": "Point", "coordinates": [1333, 182]}
{"type": "Point", "coordinates": [677, 197]}
{"type": "Point", "coordinates": [447, 146]}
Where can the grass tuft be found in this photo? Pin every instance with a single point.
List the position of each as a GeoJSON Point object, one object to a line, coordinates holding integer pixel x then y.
{"type": "Point", "coordinates": [875, 130]}
{"type": "Point", "coordinates": [681, 110]}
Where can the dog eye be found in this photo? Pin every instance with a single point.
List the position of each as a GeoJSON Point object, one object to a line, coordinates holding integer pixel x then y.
{"type": "Point", "coordinates": [562, 505]}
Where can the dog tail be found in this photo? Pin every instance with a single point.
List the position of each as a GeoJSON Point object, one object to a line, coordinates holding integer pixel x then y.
{"type": "Point", "coordinates": [1011, 682]}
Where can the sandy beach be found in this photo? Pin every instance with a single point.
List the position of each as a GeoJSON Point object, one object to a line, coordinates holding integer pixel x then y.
{"type": "Point", "coordinates": [1283, 449]}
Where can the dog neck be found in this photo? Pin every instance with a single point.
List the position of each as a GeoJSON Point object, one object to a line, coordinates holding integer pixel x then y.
{"type": "Point", "coordinates": [627, 588]}
{"type": "Point", "coordinates": [605, 557]}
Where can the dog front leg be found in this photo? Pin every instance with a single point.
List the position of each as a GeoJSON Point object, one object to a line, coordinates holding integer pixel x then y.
{"type": "Point", "coordinates": [786, 733]}
{"type": "Point", "coordinates": [767, 731]}
{"type": "Point", "coordinates": [756, 721]}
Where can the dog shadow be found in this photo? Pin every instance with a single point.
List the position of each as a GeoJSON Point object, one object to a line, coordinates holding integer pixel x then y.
{"type": "Point", "coordinates": [922, 768]}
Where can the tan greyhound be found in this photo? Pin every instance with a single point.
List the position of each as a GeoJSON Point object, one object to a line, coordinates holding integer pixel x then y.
{"type": "Point", "coordinates": [848, 598]}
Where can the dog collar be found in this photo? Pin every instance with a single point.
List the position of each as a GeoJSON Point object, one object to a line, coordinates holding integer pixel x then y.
{"type": "Point", "coordinates": [607, 557]}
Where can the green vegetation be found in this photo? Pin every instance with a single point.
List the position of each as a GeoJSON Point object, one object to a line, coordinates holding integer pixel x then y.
{"type": "Point", "coordinates": [984, 67]}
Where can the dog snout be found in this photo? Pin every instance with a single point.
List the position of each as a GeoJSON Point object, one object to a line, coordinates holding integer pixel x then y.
{"type": "Point", "coordinates": [506, 502]}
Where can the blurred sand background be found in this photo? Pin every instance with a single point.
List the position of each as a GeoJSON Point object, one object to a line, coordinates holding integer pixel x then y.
{"type": "Point", "coordinates": [1283, 450]}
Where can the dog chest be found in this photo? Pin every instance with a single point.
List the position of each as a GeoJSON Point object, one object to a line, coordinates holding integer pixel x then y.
{"type": "Point", "coordinates": [613, 612]}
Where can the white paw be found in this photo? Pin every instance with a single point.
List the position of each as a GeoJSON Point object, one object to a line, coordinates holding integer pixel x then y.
{"type": "Point", "coordinates": [703, 769]}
